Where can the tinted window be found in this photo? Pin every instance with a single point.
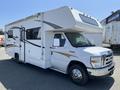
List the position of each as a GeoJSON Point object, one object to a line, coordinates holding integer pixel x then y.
{"type": "Point", "coordinates": [88, 20]}
{"type": "Point", "coordinates": [10, 34]}
{"type": "Point", "coordinates": [61, 39]}
{"type": "Point", "coordinates": [77, 39]}
{"type": "Point", "coordinates": [32, 33]}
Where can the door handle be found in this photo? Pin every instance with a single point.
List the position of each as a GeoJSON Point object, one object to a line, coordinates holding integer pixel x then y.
{"type": "Point", "coordinates": [51, 52]}
{"type": "Point", "coordinates": [52, 47]}
{"type": "Point", "coordinates": [20, 45]}
{"type": "Point", "coordinates": [72, 51]}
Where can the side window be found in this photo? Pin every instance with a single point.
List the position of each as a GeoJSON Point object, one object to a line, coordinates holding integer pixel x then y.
{"type": "Point", "coordinates": [10, 34]}
{"type": "Point", "coordinates": [88, 20]}
{"type": "Point", "coordinates": [61, 39]}
{"type": "Point", "coordinates": [32, 34]}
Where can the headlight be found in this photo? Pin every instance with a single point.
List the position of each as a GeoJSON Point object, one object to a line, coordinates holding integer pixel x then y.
{"type": "Point", "coordinates": [96, 61]}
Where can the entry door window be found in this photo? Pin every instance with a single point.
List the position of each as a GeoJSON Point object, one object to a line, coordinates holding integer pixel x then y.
{"type": "Point", "coordinates": [61, 39]}
{"type": "Point", "coordinates": [10, 34]}
{"type": "Point", "coordinates": [32, 34]}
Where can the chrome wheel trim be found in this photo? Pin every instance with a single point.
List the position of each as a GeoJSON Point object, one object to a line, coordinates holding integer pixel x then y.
{"type": "Point", "coordinates": [76, 74]}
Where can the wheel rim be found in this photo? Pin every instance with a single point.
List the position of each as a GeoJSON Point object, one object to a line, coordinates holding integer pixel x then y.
{"type": "Point", "coordinates": [76, 74]}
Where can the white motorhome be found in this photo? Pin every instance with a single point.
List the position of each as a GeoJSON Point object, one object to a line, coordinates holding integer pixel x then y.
{"type": "Point", "coordinates": [57, 40]}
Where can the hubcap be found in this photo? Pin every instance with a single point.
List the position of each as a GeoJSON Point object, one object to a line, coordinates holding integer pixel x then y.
{"type": "Point", "coordinates": [76, 74]}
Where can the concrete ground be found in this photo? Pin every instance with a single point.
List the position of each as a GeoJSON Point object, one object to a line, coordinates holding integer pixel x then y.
{"type": "Point", "coordinates": [14, 76]}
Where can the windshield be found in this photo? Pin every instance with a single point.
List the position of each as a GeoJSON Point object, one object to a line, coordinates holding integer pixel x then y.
{"type": "Point", "coordinates": [77, 39]}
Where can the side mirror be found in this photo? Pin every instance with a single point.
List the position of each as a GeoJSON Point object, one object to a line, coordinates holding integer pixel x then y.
{"type": "Point", "coordinates": [56, 42]}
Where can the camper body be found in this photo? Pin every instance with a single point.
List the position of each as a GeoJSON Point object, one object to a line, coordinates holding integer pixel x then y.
{"type": "Point", "coordinates": [111, 35]}
{"type": "Point", "coordinates": [57, 39]}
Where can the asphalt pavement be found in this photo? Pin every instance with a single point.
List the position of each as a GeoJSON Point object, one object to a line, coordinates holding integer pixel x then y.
{"type": "Point", "coordinates": [14, 76]}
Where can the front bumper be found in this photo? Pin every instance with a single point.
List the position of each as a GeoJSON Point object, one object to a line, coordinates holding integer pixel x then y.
{"type": "Point", "coordinates": [102, 71]}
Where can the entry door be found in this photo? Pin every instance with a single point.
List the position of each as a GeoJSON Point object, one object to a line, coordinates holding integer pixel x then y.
{"type": "Point", "coordinates": [16, 37]}
{"type": "Point", "coordinates": [22, 45]}
{"type": "Point", "coordinates": [33, 46]}
{"type": "Point", "coordinates": [58, 52]}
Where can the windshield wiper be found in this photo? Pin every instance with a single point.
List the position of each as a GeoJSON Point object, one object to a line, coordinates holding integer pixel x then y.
{"type": "Point", "coordinates": [84, 46]}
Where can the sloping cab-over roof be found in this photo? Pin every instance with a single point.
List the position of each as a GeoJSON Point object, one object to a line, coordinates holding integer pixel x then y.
{"type": "Point", "coordinates": [65, 19]}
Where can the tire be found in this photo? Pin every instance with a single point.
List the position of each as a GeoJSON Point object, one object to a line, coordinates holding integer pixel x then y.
{"type": "Point", "coordinates": [78, 74]}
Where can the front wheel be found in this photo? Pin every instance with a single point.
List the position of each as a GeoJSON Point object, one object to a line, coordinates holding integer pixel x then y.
{"type": "Point", "coordinates": [78, 74]}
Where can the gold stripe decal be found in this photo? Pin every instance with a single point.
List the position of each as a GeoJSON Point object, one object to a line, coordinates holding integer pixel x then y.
{"type": "Point", "coordinates": [67, 54]}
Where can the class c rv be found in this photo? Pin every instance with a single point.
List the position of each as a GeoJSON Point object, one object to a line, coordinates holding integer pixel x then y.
{"type": "Point", "coordinates": [57, 40]}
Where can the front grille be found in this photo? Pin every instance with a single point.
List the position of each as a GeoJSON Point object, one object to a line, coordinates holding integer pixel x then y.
{"type": "Point", "coordinates": [111, 68]}
{"type": "Point", "coordinates": [108, 62]}
{"type": "Point", "coordinates": [108, 59]}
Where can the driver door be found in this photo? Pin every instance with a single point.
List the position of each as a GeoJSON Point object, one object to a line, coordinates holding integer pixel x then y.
{"type": "Point", "coordinates": [58, 52]}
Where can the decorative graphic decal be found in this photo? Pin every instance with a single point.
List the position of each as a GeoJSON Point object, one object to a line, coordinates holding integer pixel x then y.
{"type": "Point", "coordinates": [65, 54]}
{"type": "Point", "coordinates": [52, 25]}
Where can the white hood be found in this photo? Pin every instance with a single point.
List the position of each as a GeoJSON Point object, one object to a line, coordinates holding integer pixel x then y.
{"type": "Point", "coordinates": [85, 53]}
{"type": "Point", "coordinates": [97, 50]}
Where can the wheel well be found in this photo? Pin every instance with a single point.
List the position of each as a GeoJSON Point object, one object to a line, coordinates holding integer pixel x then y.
{"type": "Point", "coordinates": [75, 63]}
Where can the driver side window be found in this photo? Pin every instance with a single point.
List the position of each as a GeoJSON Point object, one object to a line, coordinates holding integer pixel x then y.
{"type": "Point", "coordinates": [61, 40]}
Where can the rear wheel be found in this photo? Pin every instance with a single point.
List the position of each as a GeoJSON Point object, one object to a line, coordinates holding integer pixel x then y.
{"type": "Point", "coordinates": [78, 74]}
